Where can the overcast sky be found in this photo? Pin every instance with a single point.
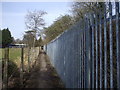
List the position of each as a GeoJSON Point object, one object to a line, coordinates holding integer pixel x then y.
{"type": "Point", "coordinates": [13, 14]}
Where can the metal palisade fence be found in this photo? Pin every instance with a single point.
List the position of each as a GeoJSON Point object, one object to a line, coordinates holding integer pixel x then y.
{"type": "Point", "coordinates": [88, 55]}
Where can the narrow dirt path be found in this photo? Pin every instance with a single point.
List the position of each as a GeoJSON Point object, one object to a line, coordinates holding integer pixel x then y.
{"type": "Point", "coordinates": [43, 75]}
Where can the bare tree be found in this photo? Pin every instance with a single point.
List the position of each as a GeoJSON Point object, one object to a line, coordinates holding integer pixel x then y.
{"type": "Point", "coordinates": [34, 20]}
{"type": "Point", "coordinates": [28, 38]}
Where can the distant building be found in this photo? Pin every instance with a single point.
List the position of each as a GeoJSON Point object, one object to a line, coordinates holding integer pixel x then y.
{"type": "Point", "coordinates": [17, 45]}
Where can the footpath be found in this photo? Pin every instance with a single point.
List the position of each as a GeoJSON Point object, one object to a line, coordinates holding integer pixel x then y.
{"type": "Point", "coordinates": [43, 75]}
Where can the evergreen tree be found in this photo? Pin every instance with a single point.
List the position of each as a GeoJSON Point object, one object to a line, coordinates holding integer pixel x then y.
{"type": "Point", "coordinates": [6, 37]}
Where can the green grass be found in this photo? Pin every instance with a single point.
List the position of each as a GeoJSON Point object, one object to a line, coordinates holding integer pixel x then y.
{"type": "Point", "coordinates": [14, 53]}
{"type": "Point", "coordinates": [1, 53]}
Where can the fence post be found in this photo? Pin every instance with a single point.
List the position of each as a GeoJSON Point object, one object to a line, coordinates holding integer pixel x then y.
{"type": "Point", "coordinates": [28, 59]}
{"type": "Point", "coordinates": [96, 31]}
{"type": "Point", "coordinates": [82, 71]}
{"type": "Point", "coordinates": [87, 53]}
{"type": "Point", "coordinates": [100, 35]}
{"type": "Point", "coordinates": [22, 68]}
{"type": "Point", "coordinates": [111, 46]}
{"type": "Point", "coordinates": [105, 49]}
{"type": "Point", "coordinates": [93, 38]}
{"type": "Point", "coordinates": [118, 44]}
{"type": "Point", "coordinates": [84, 61]}
{"type": "Point", "coordinates": [81, 62]}
{"type": "Point", "coordinates": [90, 52]}
{"type": "Point", "coordinates": [5, 74]}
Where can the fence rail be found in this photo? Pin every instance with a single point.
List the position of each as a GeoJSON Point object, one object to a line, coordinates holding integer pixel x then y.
{"type": "Point", "coordinates": [88, 55]}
